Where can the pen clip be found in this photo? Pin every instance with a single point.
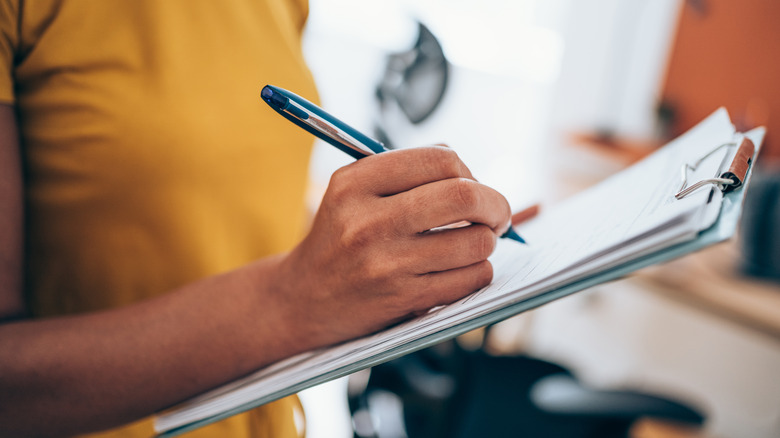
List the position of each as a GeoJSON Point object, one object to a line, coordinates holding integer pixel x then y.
{"type": "Point", "coordinates": [318, 122]}
{"type": "Point", "coordinates": [328, 129]}
{"type": "Point", "coordinates": [730, 179]}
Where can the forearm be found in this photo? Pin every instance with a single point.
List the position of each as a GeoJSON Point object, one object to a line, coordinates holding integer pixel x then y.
{"type": "Point", "coordinates": [369, 261]}
{"type": "Point", "coordinates": [104, 369]}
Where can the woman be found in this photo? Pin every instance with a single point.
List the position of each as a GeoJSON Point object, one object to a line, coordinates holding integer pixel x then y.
{"type": "Point", "coordinates": [160, 217]}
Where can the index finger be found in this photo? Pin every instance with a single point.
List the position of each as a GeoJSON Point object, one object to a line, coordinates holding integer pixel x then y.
{"type": "Point", "coordinates": [398, 171]}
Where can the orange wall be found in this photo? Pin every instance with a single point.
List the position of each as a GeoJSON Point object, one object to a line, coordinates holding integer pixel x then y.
{"type": "Point", "coordinates": [727, 53]}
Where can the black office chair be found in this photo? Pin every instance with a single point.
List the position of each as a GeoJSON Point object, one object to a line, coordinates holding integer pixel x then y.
{"type": "Point", "coordinates": [446, 391]}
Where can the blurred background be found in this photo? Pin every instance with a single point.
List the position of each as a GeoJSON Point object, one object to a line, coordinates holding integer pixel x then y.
{"type": "Point", "coordinates": [543, 98]}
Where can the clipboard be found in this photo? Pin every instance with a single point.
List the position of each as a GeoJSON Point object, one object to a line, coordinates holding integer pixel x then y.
{"type": "Point", "coordinates": [731, 183]}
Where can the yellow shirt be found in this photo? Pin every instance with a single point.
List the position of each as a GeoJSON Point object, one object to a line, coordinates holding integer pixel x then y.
{"type": "Point", "coordinates": [150, 159]}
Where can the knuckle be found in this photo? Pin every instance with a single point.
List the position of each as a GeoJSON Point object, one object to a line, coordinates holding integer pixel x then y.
{"type": "Point", "coordinates": [341, 185]}
{"type": "Point", "coordinates": [483, 242]}
{"type": "Point", "coordinates": [340, 174]}
{"type": "Point", "coordinates": [447, 160]}
{"type": "Point", "coordinates": [464, 194]}
{"type": "Point", "coordinates": [438, 160]}
{"type": "Point", "coordinates": [337, 187]}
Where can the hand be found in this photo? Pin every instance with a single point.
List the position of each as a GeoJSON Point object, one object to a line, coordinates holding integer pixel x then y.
{"type": "Point", "coordinates": [370, 259]}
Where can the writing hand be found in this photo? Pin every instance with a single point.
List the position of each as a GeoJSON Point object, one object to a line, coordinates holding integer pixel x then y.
{"type": "Point", "coordinates": [370, 261]}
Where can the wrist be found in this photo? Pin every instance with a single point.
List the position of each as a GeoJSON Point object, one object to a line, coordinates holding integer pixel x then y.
{"type": "Point", "coordinates": [280, 309]}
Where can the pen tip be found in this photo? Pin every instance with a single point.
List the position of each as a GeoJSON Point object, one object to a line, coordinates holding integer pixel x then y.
{"type": "Point", "coordinates": [512, 234]}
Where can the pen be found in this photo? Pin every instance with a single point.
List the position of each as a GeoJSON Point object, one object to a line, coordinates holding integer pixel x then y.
{"type": "Point", "coordinates": [330, 129]}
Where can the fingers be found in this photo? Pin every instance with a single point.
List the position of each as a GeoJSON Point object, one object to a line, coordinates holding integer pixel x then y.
{"type": "Point", "coordinates": [398, 171]}
{"type": "Point", "coordinates": [440, 288]}
{"type": "Point", "coordinates": [371, 246]}
{"type": "Point", "coordinates": [449, 201]}
{"type": "Point", "coordinates": [450, 249]}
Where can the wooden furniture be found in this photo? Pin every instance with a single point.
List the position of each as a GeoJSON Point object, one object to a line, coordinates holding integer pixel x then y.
{"type": "Point", "coordinates": [725, 53]}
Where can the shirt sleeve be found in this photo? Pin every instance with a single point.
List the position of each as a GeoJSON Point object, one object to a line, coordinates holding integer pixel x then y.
{"type": "Point", "coordinates": [8, 42]}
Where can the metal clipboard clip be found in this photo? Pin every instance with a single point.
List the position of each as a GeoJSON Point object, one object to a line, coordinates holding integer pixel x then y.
{"type": "Point", "coordinates": [726, 181]}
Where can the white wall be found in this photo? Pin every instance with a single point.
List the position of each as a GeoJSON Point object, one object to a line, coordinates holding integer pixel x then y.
{"type": "Point", "coordinates": [614, 64]}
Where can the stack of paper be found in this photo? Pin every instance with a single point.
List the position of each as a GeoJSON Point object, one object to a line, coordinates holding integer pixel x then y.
{"type": "Point", "coordinates": [626, 222]}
